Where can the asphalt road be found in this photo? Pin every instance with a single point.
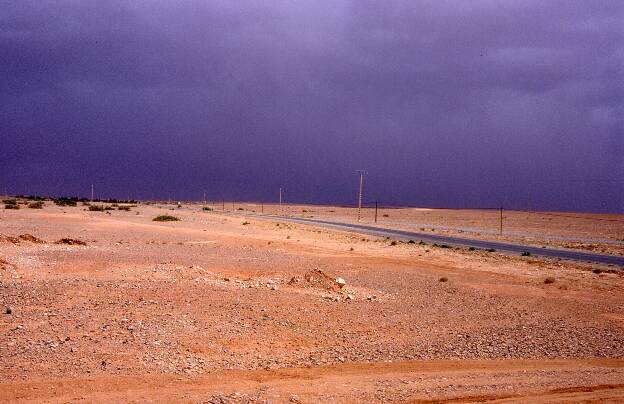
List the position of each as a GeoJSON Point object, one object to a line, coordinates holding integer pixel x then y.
{"type": "Point", "coordinates": [463, 242]}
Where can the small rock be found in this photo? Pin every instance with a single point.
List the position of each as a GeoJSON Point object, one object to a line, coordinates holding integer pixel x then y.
{"type": "Point", "coordinates": [341, 282]}
{"type": "Point", "coordinates": [349, 297]}
{"type": "Point", "coordinates": [9, 310]}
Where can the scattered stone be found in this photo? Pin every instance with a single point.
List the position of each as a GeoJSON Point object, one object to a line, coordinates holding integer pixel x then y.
{"type": "Point", "coordinates": [341, 282]}
{"type": "Point", "coordinates": [9, 310]}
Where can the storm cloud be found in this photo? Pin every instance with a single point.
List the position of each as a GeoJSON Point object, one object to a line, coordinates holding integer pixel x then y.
{"type": "Point", "coordinates": [445, 103]}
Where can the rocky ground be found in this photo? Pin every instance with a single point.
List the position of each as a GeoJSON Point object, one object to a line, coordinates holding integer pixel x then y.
{"type": "Point", "coordinates": [101, 306]}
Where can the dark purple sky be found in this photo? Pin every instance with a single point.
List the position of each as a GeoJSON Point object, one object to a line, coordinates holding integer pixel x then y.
{"type": "Point", "coordinates": [445, 103]}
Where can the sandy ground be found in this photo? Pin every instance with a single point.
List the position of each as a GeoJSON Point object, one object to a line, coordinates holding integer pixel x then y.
{"type": "Point", "coordinates": [225, 308]}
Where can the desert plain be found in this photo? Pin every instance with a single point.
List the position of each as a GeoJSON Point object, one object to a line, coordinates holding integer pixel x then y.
{"type": "Point", "coordinates": [226, 305]}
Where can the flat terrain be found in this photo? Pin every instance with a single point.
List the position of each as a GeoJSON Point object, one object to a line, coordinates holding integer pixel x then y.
{"type": "Point", "coordinates": [223, 307]}
{"type": "Point", "coordinates": [591, 232]}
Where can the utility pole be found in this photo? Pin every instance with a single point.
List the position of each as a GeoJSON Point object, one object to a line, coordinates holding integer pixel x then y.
{"type": "Point", "coordinates": [224, 205]}
{"type": "Point", "coordinates": [91, 192]}
{"type": "Point", "coordinates": [361, 172]}
{"type": "Point", "coordinates": [262, 207]}
{"type": "Point", "coordinates": [501, 221]}
{"type": "Point", "coordinates": [280, 200]}
{"type": "Point", "coordinates": [204, 197]}
{"type": "Point", "coordinates": [375, 211]}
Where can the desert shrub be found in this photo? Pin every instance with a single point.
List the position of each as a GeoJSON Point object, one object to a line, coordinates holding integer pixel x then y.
{"type": "Point", "coordinates": [597, 271]}
{"type": "Point", "coordinates": [443, 279]}
{"type": "Point", "coordinates": [491, 250]}
{"type": "Point", "coordinates": [125, 208]}
{"type": "Point", "coordinates": [86, 203]}
{"type": "Point", "coordinates": [109, 208]}
{"type": "Point", "coordinates": [70, 241]}
{"type": "Point", "coordinates": [10, 201]}
{"type": "Point", "coordinates": [245, 223]}
{"type": "Point", "coordinates": [36, 205]}
{"type": "Point", "coordinates": [393, 242]}
{"type": "Point", "coordinates": [386, 215]}
{"type": "Point", "coordinates": [11, 206]}
{"type": "Point", "coordinates": [525, 254]}
{"type": "Point", "coordinates": [65, 201]}
{"type": "Point", "coordinates": [422, 243]}
{"type": "Point", "coordinates": [207, 209]}
{"type": "Point", "coordinates": [411, 242]}
{"type": "Point", "coordinates": [165, 218]}
{"type": "Point", "coordinates": [445, 246]}
{"type": "Point", "coordinates": [548, 280]}
{"type": "Point", "coordinates": [471, 248]}
{"type": "Point", "coordinates": [96, 208]}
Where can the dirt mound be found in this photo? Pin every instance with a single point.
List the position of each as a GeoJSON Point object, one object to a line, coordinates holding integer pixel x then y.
{"type": "Point", "coordinates": [31, 238]}
{"type": "Point", "coordinates": [4, 264]}
{"type": "Point", "coordinates": [21, 237]}
{"type": "Point", "coordinates": [9, 239]}
{"type": "Point", "coordinates": [315, 279]}
{"type": "Point", "coordinates": [70, 241]}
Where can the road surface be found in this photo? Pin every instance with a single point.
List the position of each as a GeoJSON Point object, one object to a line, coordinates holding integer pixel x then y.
{"type": "Point", "coordinates": [462, 242]}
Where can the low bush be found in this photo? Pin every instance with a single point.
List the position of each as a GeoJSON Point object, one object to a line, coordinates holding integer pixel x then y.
{"type": "Point", "coordinates": [207, 209]}
{"type": "Point", "coordinates": [124, 208]}
{"type": "Point", "coordinates": [443, 279]}
{"type": "Point", "coordinates": [11, 206]}
{"type": "Point", "coordinates": [393, 242]}
{"type": "Point", "coordinates": [36, 205]}
{"type": "Point", "coordinates": [96, 208]}
{"type": "Point", "coordinates": [65, 201]}
{"type": "Point", "coordinates": [165, 218]}
{"type": "Point", "coordinates": [491, 250]}
{"type": "Point", "coordinates": [245, 223]}
{"type": "Point", "coordinates": [549, 280]}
